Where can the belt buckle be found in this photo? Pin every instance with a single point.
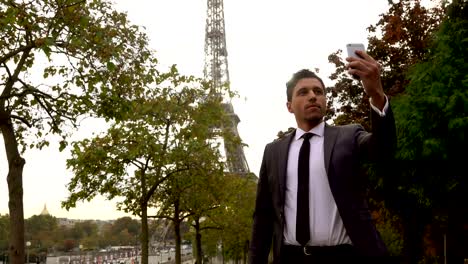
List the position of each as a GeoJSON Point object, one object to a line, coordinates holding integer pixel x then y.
{"type": "Point", "coordinates": [304, 248]}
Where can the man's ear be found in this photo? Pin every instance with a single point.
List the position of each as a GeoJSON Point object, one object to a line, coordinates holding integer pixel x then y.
{"type": "Point", "coordinates": [288, 105]}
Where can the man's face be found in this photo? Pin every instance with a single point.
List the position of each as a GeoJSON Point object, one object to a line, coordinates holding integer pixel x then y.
{"type": "Point", "coordinates": [308, 103]}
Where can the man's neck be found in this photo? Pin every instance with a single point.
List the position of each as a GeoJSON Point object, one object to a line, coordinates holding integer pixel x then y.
{"type": "Point", "coordinates": [307, 126]}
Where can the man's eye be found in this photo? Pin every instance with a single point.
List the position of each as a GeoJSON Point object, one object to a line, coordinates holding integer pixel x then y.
{"type": "Point", "coordinates": [302, 92]}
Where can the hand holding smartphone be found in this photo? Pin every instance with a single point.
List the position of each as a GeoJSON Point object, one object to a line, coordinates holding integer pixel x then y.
{"type": "Point", "coordinates": [352, 48]}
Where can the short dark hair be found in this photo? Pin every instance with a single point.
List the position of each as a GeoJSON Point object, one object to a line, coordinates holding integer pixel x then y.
{"type": "Point", "coordinates": [304, 73]}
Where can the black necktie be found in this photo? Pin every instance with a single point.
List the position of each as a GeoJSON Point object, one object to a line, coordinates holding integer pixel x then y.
{"type": "Point", "coordinates": [302, 217]}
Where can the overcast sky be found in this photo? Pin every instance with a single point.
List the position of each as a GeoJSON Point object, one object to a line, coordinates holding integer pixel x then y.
{"type": "Point", "coordinates": [267, 41]}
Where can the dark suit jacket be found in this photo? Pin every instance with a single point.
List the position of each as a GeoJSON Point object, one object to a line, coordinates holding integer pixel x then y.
{"type": "Point", "coordinates": [345, 147]}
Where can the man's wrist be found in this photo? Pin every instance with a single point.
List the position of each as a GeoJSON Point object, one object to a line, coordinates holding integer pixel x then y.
{"type": "Point", "coordinates": [378, 100]}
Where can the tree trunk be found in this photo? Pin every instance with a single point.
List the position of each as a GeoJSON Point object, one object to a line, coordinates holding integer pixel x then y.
{"type": "Point", "coordinates": [144, 233]}
{"type": "Point", "coordinates": [199, 254]}
{"type": "Point", "coordinates": [457, 234]}
{"type": "Point", "coordinates": [222, 250]}
{"type": "Point", "coordinates": [144, 219]}
{"type": "Point", "coordinates": [177, 233]}
{"type": "Point", "coordinates": [413, 235]}
{"type": "Point", "coordinates": [178, 239]}
{"type": "Point", "coordinates": [246, 251]}
{"type": "Point", "coordinates": [15, 191]}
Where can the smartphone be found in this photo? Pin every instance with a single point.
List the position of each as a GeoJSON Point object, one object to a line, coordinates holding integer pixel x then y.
{"type": "Point", "coordinates": [352, 47]}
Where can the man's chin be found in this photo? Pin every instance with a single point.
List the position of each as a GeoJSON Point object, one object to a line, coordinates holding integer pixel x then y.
{"type": "Point", "coordinates": [315, 120]}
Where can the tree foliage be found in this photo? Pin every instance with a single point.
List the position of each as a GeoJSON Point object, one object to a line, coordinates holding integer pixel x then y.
{"type": "Point", "coordinates": [60, 60]}
{"type": "Point", "coordinates": [397, 41]}
{"type": "Point", "coordinates": [192, 194]}
{"type": "Point", "coordinates": [233, 219]}
{"type": "Point", "coordinates": [89, 56]}
{"type": "Point", "coordinates": [402, 38]}
{"type": "Point", "coordinates": [432, 125]}
{"type": "Point", "coordinates": [126, 223]}
{"type": "Point", "coordinates": [431, 115]}
{"type": "Point", "coordinates": [40, 230]}
{"type": "Point", "coordinates": [46, 234]}
{"type": "Point", "coordinates": [39, 223]}
{"type": "Point", "coordinates": [421, 51]}
{"type": "Point", "coordinates": [160, 137]}
{"type": "Point", "coordinates": [4, 233]}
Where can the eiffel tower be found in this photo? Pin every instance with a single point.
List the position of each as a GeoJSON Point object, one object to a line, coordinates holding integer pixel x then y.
{"type": "Point", "coordinates": [216, 70]}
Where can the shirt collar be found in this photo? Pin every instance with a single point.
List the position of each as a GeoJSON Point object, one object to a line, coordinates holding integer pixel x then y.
{"type": "Point", "coordinates": [318, 130]}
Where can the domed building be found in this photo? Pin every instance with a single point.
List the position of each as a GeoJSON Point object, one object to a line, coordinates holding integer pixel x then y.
{"type": "Point", "coordinates": [44, 211]}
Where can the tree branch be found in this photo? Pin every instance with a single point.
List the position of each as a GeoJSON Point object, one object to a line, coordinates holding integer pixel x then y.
{"type": "Point", "coordinates": [155, 185]}
{"type": "Point", "coordinates": [73, 4]}
{"type": "Point", "coordinates": [21, 119]}
{"type": "Point", "coordinates": [55, 125]}
{"type": "Point", "coordinates": [12, 78]}
{"type": "Point", "coordinates": [187, 215]}
{"type": "Point", "coordinates": [15, 52]}
{"type": "Point", "coordinates": [7, 70]}
{"type": "Point", "coordinates": [209, 227]}
{"type": "Point", "coordinates": [162, 217]}
{"type": "Point", "coordinates": [13, 95]}
{"type": "Point", "coordinates": [34, 89]}
{"type": "Point", "coordinates": [137, 163]}
{"type": "Point", "coordinates": [29, 89]}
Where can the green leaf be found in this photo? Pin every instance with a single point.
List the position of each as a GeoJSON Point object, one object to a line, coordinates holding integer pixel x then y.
{"type": "Point", "coordinates": [62, 145]}
{"type": "Point", "coordinates": [110, 66]}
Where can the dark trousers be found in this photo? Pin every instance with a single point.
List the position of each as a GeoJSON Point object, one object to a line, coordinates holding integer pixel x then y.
{"type": "Point", "coordinates": [318, 255]}
{"type": "Point", "coordinates": [329, 255]}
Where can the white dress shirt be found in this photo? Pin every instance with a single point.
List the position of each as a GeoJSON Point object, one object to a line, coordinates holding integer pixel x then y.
{"type": "Point", "coordinates": [326, 225]}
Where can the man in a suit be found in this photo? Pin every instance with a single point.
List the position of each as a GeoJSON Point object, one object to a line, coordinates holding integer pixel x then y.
{"type": "Point", "coordinates": [311, 205]}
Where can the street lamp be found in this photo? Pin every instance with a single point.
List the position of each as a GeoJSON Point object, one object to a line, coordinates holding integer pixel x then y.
{"type": "Point", "coordinates": [81, 247]}
{"type": "Point", "coordinates": [28, 244]}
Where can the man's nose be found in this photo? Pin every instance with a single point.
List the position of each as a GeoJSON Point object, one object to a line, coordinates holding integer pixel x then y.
{"type": "Point", "coordinates": [312, 96]}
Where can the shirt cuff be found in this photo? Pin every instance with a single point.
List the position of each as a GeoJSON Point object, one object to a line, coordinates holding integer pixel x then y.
{"type": "Point", "coordinates": [384, 110]}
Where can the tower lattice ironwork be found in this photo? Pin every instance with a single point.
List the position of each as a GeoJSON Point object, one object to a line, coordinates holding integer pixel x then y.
{"type": "Point", "coordinates": [216, 71]}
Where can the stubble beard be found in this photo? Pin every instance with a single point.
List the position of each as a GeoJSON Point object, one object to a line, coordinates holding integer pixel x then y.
{"type": "Point", "coordinates": [310, 122]}
{"type": "Point", "coordinates": [315, 120]}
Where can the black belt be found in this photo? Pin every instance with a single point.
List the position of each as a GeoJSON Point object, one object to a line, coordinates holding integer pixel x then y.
{"type": "Point", "coordinates": [338, 250]}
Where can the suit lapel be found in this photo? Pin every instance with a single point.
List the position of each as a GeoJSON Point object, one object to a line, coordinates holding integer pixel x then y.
{"type": "Point", "coordinates": [283, 152]}
{"type": "Point", "coordinates": [330, 135]}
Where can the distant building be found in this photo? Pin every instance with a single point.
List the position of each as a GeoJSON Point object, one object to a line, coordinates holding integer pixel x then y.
{"type": "Point", "coordinates": [71, 222]}
{"type": "Point", "coordinates": [66, 222]}
{"type": "Point", "coordinates": [45, 211]}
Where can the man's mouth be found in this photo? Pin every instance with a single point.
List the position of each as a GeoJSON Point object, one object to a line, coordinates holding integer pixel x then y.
{"type": "Point", "coordinates": [312, 106]}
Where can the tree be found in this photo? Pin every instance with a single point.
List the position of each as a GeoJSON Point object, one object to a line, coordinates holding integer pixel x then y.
{"type": "Point", "coordinates": [38, 223]}
{"type": "Point", "coordinates": [399, 40]}
{"type": "Point", "coordinates": [204, 198]}
{"type": "Point", "coordinates": [83, 229]}
{"type": "Point", "coordinates": [432, 121]}
{"type": "Point", "coordinates": [69, 245]}
{"type": "Point", "coordinates": [172, 209]}
{"type": "Point", "coordinates": [4, 230]}
{"type": "Point", "coordinates": [147, 147]}
{"type": "Point", "coordinates": [123, 232]}
{"type": "Point", "coordinates": [89, 59]}
{"type": "Point", "coordinates": [230, 225]}
{"type": "Point", "coordinates": [191, 194]}
{"type": "Point", "coordinates": [40, 230]}
{"type": "Point", "coordinates": [131, 225]}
